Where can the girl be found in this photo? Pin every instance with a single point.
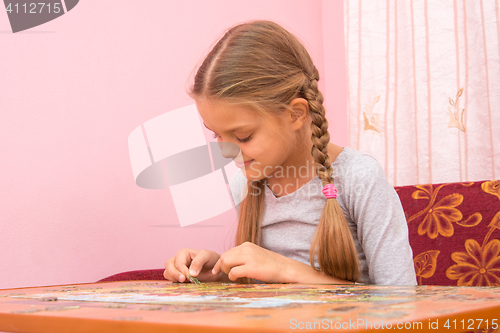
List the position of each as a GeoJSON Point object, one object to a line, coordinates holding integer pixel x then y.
{"type": "Point", "coordinates": [313, 212]}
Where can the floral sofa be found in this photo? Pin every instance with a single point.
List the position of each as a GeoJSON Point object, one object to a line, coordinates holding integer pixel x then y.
{"type": "Point", "coordinates": [454, 232]}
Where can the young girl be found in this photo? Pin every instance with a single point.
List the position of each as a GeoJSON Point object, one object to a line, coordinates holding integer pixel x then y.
{"type": "Point", "coordinates": [313, 212]}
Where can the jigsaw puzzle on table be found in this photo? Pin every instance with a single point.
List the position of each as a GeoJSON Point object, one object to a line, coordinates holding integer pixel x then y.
{"type": "Point", "coordinates": [219, 306]}
{"type": "Point", "coordinates": [257, 296]}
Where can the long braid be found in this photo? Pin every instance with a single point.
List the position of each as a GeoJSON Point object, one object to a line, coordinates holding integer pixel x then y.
{"type": "Point", "coordinates": [332, 242]}
{"type": "Point", "coordinates": [320, 136]}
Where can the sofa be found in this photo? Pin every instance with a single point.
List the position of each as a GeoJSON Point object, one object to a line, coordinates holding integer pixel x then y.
{"type": "Point", "coordinates": [454, 231]}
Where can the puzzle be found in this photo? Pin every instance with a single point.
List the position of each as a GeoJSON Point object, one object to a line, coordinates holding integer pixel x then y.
{"type": "Point", "coordinates": [258, 296]}
{"type": "Point", "coordinates": [229, 306]}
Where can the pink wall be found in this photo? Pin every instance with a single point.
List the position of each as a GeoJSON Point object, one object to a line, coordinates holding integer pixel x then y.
{"type": "Point", "coordinates": [74, 88]}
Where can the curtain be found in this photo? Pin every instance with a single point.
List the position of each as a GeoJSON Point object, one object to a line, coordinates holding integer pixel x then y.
{"type": "Point", "coordinates": [424, 87]}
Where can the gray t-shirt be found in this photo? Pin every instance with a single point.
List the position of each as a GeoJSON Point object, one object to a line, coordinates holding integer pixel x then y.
{"type": "Point", "coordinates": [372, 209]}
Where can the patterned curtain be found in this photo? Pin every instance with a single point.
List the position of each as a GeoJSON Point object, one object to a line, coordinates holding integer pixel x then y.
{"type": "Point", "coordinates": [424, 87]}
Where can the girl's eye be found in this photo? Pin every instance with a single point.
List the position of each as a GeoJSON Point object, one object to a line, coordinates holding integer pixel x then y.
{"type": "Point", "coordinates": [217, 136]}
{"type": "Point", "coordinates": [245, 139]}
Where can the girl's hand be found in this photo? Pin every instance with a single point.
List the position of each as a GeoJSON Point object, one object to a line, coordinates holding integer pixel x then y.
{"type": "Point", "coordinates": [198, 264]}
{"type": "Point", "coordinates": [252, 261]}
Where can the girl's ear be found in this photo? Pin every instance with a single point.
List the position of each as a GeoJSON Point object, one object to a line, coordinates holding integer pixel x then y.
{"type": "Point", "coordinates": [298, 113]}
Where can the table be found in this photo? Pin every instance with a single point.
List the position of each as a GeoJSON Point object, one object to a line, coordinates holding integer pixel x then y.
{"type": "Point", "coordinates": [161, 306]}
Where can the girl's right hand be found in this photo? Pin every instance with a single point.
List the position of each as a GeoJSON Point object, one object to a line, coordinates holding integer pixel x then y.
{"type": "Point", "coordinates": [198, 264]}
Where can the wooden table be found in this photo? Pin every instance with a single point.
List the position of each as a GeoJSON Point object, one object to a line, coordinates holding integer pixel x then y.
{"type": "Point", "coordinates": [160, 306]}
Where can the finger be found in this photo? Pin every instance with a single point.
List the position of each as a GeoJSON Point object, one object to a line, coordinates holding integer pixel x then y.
{"type": "Point", "coordinates": [170, 277]}
{"type": "Point", "coordinates": [171, 273]}
{"type": "Point", "coordinates": [238, 272]}
{"type": "Point", "coordinates": [182, 261]}
{"type": "Point", "coordinates": [217, 268]}
{"type": "Point", "coordinates": [205, 259]}
{"type": "Point", "coordinates": [232, 258]}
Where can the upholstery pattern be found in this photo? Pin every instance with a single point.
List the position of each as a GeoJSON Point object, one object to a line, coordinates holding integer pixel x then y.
{"type": "Point", "coordinates": [454, 232]}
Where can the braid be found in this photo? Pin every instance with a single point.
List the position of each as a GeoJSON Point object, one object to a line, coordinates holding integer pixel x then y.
{"type": "Point", "coordinates": [320, 136]}
{"type": "Point", "coordinates": [333, 240]}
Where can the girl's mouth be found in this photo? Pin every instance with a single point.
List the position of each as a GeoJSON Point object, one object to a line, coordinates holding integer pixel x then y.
{"type": "Point", "coordinates": [242, 165]}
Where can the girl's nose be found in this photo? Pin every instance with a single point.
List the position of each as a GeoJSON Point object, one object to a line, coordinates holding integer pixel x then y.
{"type": "Point", "coordinates": [229, 149]}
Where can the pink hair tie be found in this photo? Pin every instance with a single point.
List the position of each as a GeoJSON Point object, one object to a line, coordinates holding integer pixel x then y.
{"type": "Point", "coordinates": [330, 191]}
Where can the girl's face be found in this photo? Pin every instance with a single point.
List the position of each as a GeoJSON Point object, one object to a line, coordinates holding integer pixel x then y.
{"type": "Point", "coordinates": [266, 142]}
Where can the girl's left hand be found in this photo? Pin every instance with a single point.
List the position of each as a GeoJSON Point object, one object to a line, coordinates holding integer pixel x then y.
{"type": "Point", "coordinates": [252, 261]}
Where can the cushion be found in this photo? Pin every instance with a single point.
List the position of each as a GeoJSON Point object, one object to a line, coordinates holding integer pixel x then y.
{"type": "Point", "coordinates": [454, 230]}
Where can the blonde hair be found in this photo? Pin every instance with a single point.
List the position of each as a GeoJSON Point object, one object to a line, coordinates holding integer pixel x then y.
{"type": "Point", "coordinates": [263, 66]}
